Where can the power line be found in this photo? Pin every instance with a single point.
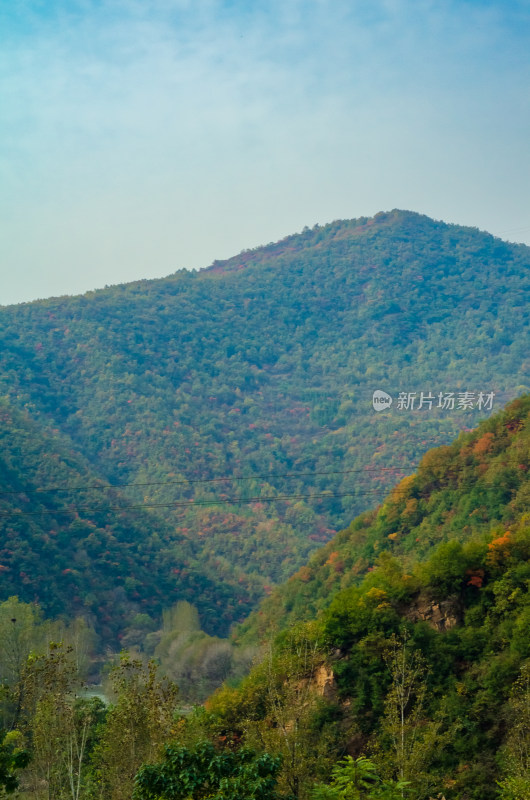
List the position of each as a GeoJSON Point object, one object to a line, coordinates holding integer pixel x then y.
{"type": "Point", "coordinates": [225, 501]}
{"type": "Point", "coordinates": [222, 479]}
{"type": "Point", "coordinates": [189, 481]}
{"type": "Point", "coordinates": [177, 504]}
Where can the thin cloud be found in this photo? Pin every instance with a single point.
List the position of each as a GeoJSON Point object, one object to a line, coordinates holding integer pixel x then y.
{"type": "Point", "coordinates": [137, 127]}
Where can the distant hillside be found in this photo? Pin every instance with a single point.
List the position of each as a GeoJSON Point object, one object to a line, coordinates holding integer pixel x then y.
{"type": "Point", "coordinates": [260, 371]}
{"type": "Point", "coordinates": [110, 568]}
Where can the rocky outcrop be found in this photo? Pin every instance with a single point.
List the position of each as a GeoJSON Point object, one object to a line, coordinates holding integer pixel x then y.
{"type": "Point", "coordinates": [324, 681]}
{"type": "Point", "coordinates": [441, 616]}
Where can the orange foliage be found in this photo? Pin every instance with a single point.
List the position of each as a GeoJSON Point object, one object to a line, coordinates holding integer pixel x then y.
{"type": "Point", "coordinates": [484, 444]}
{"type": "Point", "coordinates": [304, 574]}
{"type": "Point", "coordinates": [499, 550]}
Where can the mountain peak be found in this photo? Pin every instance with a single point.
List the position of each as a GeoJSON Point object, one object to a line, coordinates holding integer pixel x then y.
{"type": "Point", "coordinates": [321, 236]}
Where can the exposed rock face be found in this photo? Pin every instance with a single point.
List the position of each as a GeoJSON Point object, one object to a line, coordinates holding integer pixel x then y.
{"type": "Point", "coordinates": [441, 616]}
{"type": "Point", "coordinates": [325, 681]}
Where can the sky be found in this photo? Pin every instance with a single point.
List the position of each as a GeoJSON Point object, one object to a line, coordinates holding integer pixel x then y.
{"type": "Point", "coordinates": [139, 137]}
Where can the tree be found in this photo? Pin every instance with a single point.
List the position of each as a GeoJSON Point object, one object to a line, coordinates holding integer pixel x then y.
{"type": "Point", "coordinates": [12, 759]}
{"type": "Point", "coordinates": [202, 772]}
{"type": "Point", "coordinates": [290, 702]}
{"type": "Point", "coordinates": [516, 752]}
{"type": "Point", "coordinates": [21, 631]}
{"type": "Point", "coordinates": [407, 740]}
{"type": "Point", "coordinates": [58, 723]}
{"type": "Point", "coordinates": [358, 779]}
{"type": "Point", "coordinates": [197, 662]}
{"type": "Point", "coordinates": [19, 623]}
{"type": "Point", "coordinates": [137, 724]}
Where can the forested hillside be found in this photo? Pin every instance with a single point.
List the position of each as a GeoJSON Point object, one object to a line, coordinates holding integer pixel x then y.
{"type": "Point", "coordinates": [419, 662]}
{"type": "Point", "coordinates": [408, 678]}
{"type": "Point", "coordinates": [111, 568]}
{"type": "Point", "coordinates": [477, 485]}
{"type": "Point", "coordinates": [250, 381]}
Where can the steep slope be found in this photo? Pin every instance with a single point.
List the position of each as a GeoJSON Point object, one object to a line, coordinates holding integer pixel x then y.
{"type": "Point", "coordinates": [420, 661]}
{"type": "Point", "coordinates": [260, 371]}
{"type": "Point", "coordinates": [478, 484]}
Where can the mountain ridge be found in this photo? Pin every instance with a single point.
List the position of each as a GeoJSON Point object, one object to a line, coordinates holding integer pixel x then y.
{"type": "Point", "coordinates": [341, 228]}
{"type": "Point", "coordinates": [269, 371]}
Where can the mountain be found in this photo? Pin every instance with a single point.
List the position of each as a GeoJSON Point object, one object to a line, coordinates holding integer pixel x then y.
{"type": "Point", "coordinates": [473, 488]}
{"type": "Point", "coordinates": [111, 568]}
{"type": "Point", "coordinates": [420, 660]}
{"type": "Point", "coordinates": [232, 408]}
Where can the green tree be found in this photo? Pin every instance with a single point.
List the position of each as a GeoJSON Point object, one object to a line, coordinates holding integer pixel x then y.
{"type": "Point", "coordinates": [515, 756]}
{"type": "Point", "coordinates": [203, 772]}
{"type": "Point", "coordinates": [197, 662]}
{"type": "Point", "coordinates": [137, 724]}
{"type": "Point", "coordinates": [408, 739]}
{"type": "Point", "coordinates": [12, 759]}
{"type": "Point", "coordinates": [358, 779]}
{"type": "Point", "coordinates": [58, 723]}
{"type": "Point", "coordinates": [21, 632]}
{"type": "Point", "coordinates": [290, 702]}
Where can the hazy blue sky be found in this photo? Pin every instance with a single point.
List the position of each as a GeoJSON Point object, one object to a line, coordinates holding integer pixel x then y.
{"type": "Point", "coordinates": [138, 137]}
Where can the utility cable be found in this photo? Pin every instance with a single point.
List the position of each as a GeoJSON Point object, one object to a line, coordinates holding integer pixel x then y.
{"type": "Point", "coordinates": [224, 501]}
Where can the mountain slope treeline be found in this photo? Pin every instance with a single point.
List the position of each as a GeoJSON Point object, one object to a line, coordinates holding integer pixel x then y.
{"type": "Point", "coordinates": [477, 484]}
{"type": "Point", "coordinates": [422, 662]}
{"type": "Point", "coordinates": [260, 371]}
{"type": "Point", "coordinates": [116, 570]}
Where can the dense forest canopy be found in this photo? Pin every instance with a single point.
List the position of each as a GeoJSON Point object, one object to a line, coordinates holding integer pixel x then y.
{"type": "Point", "coordinates": [258, 371]}
{"type": "Point", "coordinates": [408, 678]}
{"type": "Point", "coordinates": [404, 644]}
{"type": "Point", "coordinates": [476, 487]}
